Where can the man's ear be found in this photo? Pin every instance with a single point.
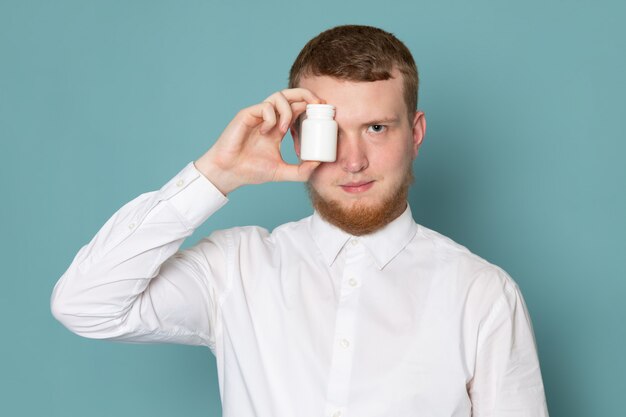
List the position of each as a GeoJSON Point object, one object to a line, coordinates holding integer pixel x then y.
{"type": "Point", "coordinates": [296, 139]}
{"type": "Point", "coordinates": [418, 131]}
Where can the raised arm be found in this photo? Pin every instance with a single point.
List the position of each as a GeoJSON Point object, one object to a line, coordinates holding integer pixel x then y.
{"type": "Point", "coordinates": [132, 283]}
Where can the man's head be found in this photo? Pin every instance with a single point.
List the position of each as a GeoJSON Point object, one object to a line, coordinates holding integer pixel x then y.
{"type": "Point", "coordinates": [358, 53]}
{"type": "Point", "coordinates": [371, 78]}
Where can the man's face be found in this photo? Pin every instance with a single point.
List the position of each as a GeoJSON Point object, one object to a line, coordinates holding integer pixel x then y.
{"type": "Point", "coordinates": [366, 187]}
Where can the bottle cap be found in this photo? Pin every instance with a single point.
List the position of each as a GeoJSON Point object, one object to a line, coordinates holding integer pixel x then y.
{"type": "Point", "coordinates": [320, 110]}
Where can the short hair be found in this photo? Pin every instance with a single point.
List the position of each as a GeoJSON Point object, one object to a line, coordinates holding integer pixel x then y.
{"type": "Point", "coordinates": [358, 53]}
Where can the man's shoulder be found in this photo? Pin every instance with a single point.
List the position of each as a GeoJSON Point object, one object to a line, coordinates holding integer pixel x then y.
{"type": "Point", "coordinates": [453, 256]}
{"type": "Point", "coordinates": [296, 226]}
{"type": "Point", "coordinates": [442, 246]}
{"type": "Point", "coordinates": [289, 230]}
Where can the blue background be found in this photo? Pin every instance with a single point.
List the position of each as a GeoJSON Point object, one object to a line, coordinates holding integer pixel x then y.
{"type": "Point", "coordinates": [522, 163]}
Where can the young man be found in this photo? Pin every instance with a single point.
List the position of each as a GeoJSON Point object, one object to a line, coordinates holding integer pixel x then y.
{"type": "Point", "coordinates": [353, 311]}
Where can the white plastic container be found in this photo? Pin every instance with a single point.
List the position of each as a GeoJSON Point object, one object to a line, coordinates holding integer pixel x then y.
{"type": "Point", "coordinates": [318, 137]}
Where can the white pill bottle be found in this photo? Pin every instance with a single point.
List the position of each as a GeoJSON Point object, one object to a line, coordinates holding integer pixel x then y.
{"type": "Point", "coordinates": [318, 136]}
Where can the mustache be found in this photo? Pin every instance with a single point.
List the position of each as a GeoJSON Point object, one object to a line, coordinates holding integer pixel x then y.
{"type": "Point", "coordinates": [359, 218]}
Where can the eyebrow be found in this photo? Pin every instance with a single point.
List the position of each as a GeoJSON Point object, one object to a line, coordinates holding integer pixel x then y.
{"type": "Point", "coordinates": [382, 121]}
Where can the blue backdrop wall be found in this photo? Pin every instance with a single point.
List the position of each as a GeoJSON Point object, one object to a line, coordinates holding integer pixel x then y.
{"type": "Point", "coordinates": [522, 163]}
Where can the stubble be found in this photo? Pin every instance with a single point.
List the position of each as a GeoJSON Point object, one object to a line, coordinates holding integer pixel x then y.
{"type": "Point", "coordinates": [361, 219]}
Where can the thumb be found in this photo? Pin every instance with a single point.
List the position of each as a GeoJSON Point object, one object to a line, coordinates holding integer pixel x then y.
{"type": "Point", "coordinates": [301, 172]}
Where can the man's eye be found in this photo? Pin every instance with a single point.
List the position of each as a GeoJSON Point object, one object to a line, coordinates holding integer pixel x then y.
{"type": "Point", "coordinates": [377, 128]}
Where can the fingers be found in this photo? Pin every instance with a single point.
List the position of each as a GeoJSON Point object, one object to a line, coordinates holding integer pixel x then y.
{"type": "Point", "coordinates": [293, 95]}
{"type": "Point", "coordinates": [262, 113]}
{"type": "Point", "coordinates": [297, 109]}
{"type": "Point", "coordinates": [283, 108]}
{"type": "Point", "coordinates": [290, 103]}
{"type": "Point", "coordinates": [269, 117]}
{"type": "Point", "coordinates": [286, 106]}
{"type": "Point", "coordinates": [301, 94]}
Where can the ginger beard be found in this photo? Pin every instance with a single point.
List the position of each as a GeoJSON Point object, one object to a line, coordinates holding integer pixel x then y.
{"type": "Point", "coordinates": [360, 219]}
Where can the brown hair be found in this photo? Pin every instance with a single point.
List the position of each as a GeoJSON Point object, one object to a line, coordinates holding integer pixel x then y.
{"type": "Point", "coordinates": [358, 53]}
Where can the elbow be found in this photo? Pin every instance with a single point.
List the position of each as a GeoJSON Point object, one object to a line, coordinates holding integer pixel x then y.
{"type": "Point", "coordinates": [61, 310]}
{"type": "Point", "coordinates": [83, 317]}
{"type": "Point", "coordinates": [65, 302]}
{"type": "Point", "coordinates": [86, 323]}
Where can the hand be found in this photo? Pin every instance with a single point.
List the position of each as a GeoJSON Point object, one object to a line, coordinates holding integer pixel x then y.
{"type": "Point", "coordinates": [248, 150]}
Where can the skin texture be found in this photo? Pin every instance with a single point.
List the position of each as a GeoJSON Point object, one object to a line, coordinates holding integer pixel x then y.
{"type": "Point", "coordinates": [248, 150]}
{"type": "Point", "coordinates": [378, 139]}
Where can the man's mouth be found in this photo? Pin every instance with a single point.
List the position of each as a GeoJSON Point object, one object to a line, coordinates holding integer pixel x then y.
{"type": "Point", "coordinates": [357, 187]}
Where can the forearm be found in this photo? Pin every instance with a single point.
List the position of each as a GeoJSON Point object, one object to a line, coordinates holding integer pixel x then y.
{"type": "Point", "coordinates": [96, 294]}
{"type": "Point", "coordinates": [113, 285]}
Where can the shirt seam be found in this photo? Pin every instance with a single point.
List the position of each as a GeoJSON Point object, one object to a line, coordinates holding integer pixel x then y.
{"type": "Point", "coordinates": [179, 215]}
{"type": "Point", "coordinates": [493, 312]}
{"type": "Point", "coordinates": [230, 247]}
{"type": "Point", "coordinates": [178, 331]}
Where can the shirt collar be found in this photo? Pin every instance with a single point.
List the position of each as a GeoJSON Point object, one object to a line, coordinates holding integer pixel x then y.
{"type": "Point", "coordinates": [384, 244]}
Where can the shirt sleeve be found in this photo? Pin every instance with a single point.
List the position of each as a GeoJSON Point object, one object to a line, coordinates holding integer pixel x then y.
{"type": "Point", "coordinates": [507, 379]}
{"type": "Point", "coordinates": [131, 282]}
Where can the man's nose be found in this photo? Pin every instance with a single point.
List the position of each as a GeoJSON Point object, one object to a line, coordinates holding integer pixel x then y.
{"type": "Point", "coordinates": [351, 152]}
